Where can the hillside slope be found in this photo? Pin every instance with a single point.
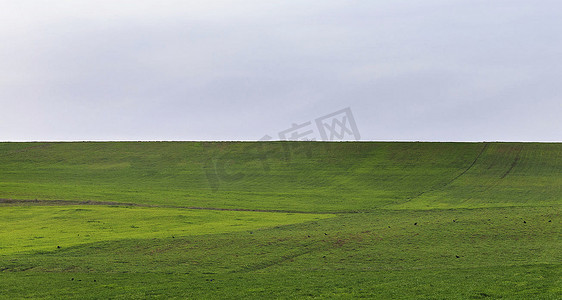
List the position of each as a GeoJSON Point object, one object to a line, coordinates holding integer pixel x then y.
{"type": "Point", "coordinates": [439, 221]}
{"type": "Point", "coordinates": [299, 176]}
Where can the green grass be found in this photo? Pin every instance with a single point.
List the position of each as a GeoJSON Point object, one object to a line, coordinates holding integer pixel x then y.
{"type": "Point", "coordinates": [29, 228]}
{"type": "Point", "coordinates": [410, 220]}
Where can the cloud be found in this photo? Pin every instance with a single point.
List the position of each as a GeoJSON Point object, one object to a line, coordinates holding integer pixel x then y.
{"type": "Point", "coordinates": [231, 70]}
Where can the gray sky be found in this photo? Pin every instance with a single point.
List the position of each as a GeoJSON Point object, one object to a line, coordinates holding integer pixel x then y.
{"type": "Point", "coordinates": [236, 70]}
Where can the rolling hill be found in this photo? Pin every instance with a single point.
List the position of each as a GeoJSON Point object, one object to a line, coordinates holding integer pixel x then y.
{"type": "Point", "coordinates": [281, 219]}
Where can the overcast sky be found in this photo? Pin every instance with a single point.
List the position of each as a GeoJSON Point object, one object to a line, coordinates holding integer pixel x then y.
{"type": "Point", "coordinates": [237, 70]}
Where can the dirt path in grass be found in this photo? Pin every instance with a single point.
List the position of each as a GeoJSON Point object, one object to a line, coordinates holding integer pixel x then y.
{"type": "Point", "coordinates": [18, 202]}
{"type": "Point", "coordinates": [15, 202]}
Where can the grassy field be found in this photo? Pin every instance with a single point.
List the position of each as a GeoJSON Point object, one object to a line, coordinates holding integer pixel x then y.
{"type": "Point", "coordinates": [281, 219]}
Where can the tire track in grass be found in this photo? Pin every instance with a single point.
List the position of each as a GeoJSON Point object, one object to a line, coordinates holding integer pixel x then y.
{"type": "Point", "coordinates": [514, 163]}
{"type": "Point", "coordinates": [443, 185]}
{"type": "Point", "coordinates": [507, 172]}
{"type": "Point", "coordinates": [469, 167]}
